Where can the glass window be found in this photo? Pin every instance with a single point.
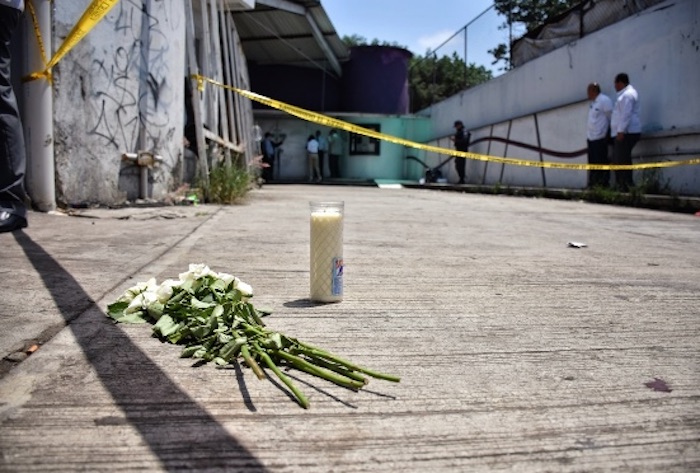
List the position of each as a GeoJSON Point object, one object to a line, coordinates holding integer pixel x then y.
{"type": "Point", "coordinates": [361, 144]}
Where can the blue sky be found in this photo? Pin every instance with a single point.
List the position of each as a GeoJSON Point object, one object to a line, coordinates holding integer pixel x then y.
{"type": "Point", "coordinates": [422, 25]}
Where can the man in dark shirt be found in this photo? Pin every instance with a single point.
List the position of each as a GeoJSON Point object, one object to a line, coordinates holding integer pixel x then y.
{"type": "Point", "coordinates": [461, 141]}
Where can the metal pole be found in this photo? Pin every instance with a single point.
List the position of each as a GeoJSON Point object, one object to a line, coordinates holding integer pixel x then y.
{"type": "Point", "coordinates": [466, 63]}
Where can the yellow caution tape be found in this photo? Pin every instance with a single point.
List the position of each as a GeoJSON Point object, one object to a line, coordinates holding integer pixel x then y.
{"type": "Point", "coordinates": [342, 125]}
{"type": "Point", "coordinates": [93, 15]}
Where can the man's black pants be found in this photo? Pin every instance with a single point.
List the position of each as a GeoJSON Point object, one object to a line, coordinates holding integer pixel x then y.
{"type": "Point", "coordinates": [622, 154]}
{"type": "Point", "coordinates": [598, 154]}
{"type": "Point", "coordinates": [13, 159]}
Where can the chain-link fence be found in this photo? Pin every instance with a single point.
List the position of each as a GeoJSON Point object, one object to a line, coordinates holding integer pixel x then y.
{"type": "Point", "coordinates": [491, 41]}
{"type": "Point", "coordinates": [474, 41]}
{"type": "Point", "coordinates": [580, 20]}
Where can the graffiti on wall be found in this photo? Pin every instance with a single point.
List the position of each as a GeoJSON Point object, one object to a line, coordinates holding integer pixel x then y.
{"type": "Point", "coordinates": [133, 85]}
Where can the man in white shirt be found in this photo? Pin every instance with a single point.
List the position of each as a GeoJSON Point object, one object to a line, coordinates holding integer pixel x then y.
{"type": "Point", "coordinates": [312, 153]}
{"type": "Point", "coordinates": [599, 112]}
{"type": "Point", "coordinates": [625, 128]}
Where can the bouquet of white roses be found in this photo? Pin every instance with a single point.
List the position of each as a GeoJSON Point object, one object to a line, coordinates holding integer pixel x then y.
{"type": "Point", "coordinates": [211, 314]}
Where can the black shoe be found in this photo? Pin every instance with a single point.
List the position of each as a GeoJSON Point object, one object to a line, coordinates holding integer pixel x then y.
{"type": "Point", "coordinates": [11, 222]}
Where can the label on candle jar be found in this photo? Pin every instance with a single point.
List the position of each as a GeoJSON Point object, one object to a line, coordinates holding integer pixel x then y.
{"type": "Point", "coordinates": [337, 285]}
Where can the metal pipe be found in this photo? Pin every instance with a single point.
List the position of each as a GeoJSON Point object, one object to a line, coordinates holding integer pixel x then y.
{"type": "Point", "coordinates": [38, 113]}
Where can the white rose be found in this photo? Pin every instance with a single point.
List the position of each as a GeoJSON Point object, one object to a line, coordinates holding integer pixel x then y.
{"type": "Point", "coordinates": [135, 305]}
{"type": "Point", "coordinates": [165, 290]}
{"type": "Point", "coordinates": [226, 278]}
{"type": "Point", "coordinates": [246, 289]}
{"type": "Point", "coordinates": [149, 298]}
{"type": "Point", "coordinates": [134, 291]}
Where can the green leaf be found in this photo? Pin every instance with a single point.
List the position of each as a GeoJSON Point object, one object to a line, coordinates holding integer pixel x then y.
{"type": "Point", "coordinates": [218, 285]}
{"type": "Point", "coordinates": [133, 318]}
{"type": "Point", "coordinates": [224, 338]}
{"type": "Point", "coordinates": [197, 304]}
{"type": "Point", "coordinates": [177, 297]}
{"type": "Point", "coordinates": [276, 340]}
{"type": "Point", "coordinates": [189, 351]}
{"type": "Point", "coordinates": [186, 286]}
{"type": "Point", "coordinates": [212, 323]}
{"type": "Point", "coordinates": [178, 335]}
{"type": "Point", "coordinates": [231, 349]}
{"type": "Point", "coordinates": [165, 326]}
{"type": "Point", "coordinates": [116, 309]}
{"type": "Point", "coordinates": [200, 332]}
{"type": "Point", "coordinates": [155, 310]}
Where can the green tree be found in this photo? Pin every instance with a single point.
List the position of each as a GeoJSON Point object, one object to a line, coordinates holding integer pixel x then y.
{"type": "Point", "coordinates": [528, 13]}
{"type": "Point", "coordinates": [432, 79]}
{"type": "Point", "coordinates": [354, 40]}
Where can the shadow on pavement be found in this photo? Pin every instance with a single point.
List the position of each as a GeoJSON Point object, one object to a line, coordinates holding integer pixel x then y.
{"type": "Point", "coordinates": [179, 431]}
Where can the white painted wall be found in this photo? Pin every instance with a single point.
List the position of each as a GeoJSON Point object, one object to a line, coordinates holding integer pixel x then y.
{"type": "Point", "coordinates": [125, 77]}
{"type": "Point", "coordinates": [659, 49]}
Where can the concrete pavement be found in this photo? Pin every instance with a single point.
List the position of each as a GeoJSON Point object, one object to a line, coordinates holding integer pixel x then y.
{"type": "Point", "coordinates": [517, 352]}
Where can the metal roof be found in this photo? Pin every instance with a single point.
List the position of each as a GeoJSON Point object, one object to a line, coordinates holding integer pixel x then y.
{"type": "Point", "coordinates": [290, 32]}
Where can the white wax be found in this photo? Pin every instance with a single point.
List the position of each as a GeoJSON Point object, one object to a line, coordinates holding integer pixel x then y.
{"type": "Point", "coordinates": [326, 282]}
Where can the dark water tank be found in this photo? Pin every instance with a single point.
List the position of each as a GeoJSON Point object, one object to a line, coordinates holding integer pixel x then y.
{"type": "Point", "coordinates": [375, 80]}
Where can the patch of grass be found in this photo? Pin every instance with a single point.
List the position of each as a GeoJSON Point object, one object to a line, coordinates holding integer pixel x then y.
{"type": "Point", "coordinates": [651, 183]}
{"type": "Point", "coordinates": [603, 195]}
{"type": "Point", "coordinates": [229, 183]}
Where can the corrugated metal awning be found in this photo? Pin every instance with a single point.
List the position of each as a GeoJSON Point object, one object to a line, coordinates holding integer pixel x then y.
{"type": "Point", "coordinates": [290, 32]}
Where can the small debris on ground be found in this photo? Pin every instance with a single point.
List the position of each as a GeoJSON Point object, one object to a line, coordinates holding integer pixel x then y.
{"type": "Point", "coordinates": [658, 385]}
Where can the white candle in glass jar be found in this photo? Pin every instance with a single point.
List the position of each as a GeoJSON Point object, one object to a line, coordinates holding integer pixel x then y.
{"type": "Point", "coordinates": [326, 259]}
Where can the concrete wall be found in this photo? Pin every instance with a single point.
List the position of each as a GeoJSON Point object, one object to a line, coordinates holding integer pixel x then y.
{"type": "Point", "coordinates": [659, 49]}
{"type": "Point", "coordinates": [121, 89]}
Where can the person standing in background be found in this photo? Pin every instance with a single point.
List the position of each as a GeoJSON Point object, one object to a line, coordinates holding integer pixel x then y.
{"type": "Point", "coordinates": [268, 152]}
{"type": "Point", "coordinates": [597, 132]}
{"type": "Point", "coordinates": [461, 141]}
{"type": "Point", "coordinates": [312, 154]}
{"type": "Point", "coordinates": [334, 153]}
{"type": "Point", "coordinates": [625, 128]}
{"type": "Point", "coordinates": [13, 158]}
{"type": "Point", "coordinates": [322, 148]}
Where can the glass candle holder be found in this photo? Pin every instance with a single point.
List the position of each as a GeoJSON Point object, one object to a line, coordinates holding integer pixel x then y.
{"type": "Point", "coordinates": [326, 257]}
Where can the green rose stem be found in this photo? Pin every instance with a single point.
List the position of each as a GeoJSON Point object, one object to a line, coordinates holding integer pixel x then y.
{"type": "Point", "coordinates": [251, 362]}
{"type": "Point", "coordinates": [255, 316]}
{"type": "Point", "coordinates": [303, 402]}
{"type": "Point", "coordinates": [337, 368]}
{"type": "Point", "coordinates": [316, 371]}
{"type": "Point", "coordinates": [313, 351]}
